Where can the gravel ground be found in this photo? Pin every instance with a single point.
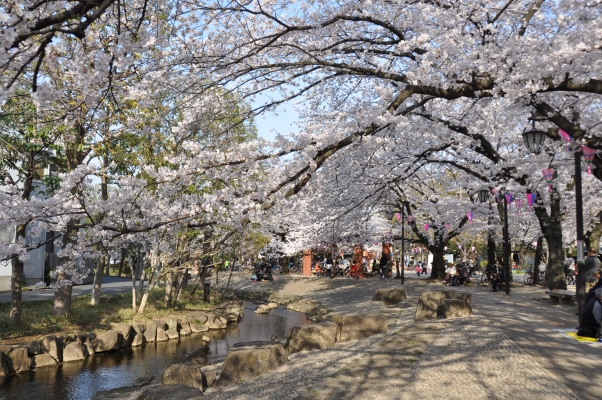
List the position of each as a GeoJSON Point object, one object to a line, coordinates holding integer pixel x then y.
{"type": "Point", "coordinates": [469, 359]}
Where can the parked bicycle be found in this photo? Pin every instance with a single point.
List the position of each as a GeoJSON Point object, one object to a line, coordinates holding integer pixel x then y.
{"type": "Point", "coordinates": [530, 277]}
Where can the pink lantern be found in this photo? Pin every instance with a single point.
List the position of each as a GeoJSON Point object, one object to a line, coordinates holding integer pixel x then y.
{"type": "Point", "coordinates": [565, 136]}
{"type": "Point", "coordinates": [426, 227]}
{"type": "Point", "coordinates": [460, 246]}
{"type": "Point", "coordinates": [470, 215]}
{"type": "Point", "coordinates": [530, 200]}
{"type": "Point", "coordinates": [494, 191]}
{"type": "Point", "coordinates": [588, 154]}
{"type": "Point", "coordinates": [376, 243]}
{"type": "Point", "coordinates": [535, 243]}
{"type": "Point", "coordinates": [398, 217]}
{"type": "Point", "coordinates": [519, 204]}
{"type": "Point", "coordinates": [548, 174]}
{"type": "Point", "coordinates": [388, 235]}
{"type": "Point", "coordinates": [447, 226]}
{"type": "Point", "coordinates": [410, 219]}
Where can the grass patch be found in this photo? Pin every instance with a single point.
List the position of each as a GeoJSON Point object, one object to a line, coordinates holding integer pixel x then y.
{"type": "Point", "coordinates": [37, 317]}
{"type": "Point", "coordinates": [418, 352]}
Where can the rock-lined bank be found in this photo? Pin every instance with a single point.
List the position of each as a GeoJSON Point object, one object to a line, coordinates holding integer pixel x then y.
{"type": "Point", "coordinates": [53, 350]}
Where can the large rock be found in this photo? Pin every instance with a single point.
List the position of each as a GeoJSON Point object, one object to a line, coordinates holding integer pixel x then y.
{"type": "Point", "coordinates": [161, 335]}
{"type": "Point", "coordinates": [311, 337]}
{"type": "Point", "coordinates": [390, 296]}
{"type": "Point", "coordinates": [126, 391]}
{"type": "Point", "coordinates": [43, 360]}
{"type": "Point", "coordinates": [195, 328]}
{"type": "Point", "coordinates": [20, 359]}
{"type": "Point", "coordinates": [172, 334]}
{"type": "Point", "coordinates": [247, 360]}
{"type": "Point", "coordinates": [4, 365]}
{"type": "Point", "coordinates": [160, 324]}
{"type": "Point", "coordinates": [50, 345]}
{"type": "Point", "coordinates": [185, 330]}
{"type": "Point", "coordinates": [108, 341]}
{"type": "Point", "coordinates": [89, 347]}
{"type": "Point", "coordinates": [172, 323]}
{"type": "Point", "coordinates": [456, 308]}
{"type": "Point", "coordinates": [429, 303]}
{"type": "Point", "coordinates": [150, 333]}
{"type": "Point", "coordinates": [34, 348]}
{"type": "Point", "coordinates": [218, 324]}
{"type": "Point", "coordinates": [163, 392]}
{"type": "Point", "coordinates": [139, 338]}
{"type": "Point", "coordinates": [262, 309]}
{"type": "Point", "coordinates": [75, 351]}
{"type": "Point", "coordinates": [197, 357]}
{"type": "Point", "coordinates": [186, 374]}
{"type": "Point", "coordinates": [358, 326]}
{"type": "Point", "coordinates": [127, 334]}
{"type": "Point", "coordinates": [198, 317]}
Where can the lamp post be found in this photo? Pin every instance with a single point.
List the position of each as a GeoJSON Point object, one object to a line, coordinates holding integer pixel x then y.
{"type": "Point", "coordinates": [534, 140]}
{"type": "Point", "coordinates": [483, 196]}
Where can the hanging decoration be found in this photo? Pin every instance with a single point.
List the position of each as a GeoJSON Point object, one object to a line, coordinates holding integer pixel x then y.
{"type": "Point", "coordinates": [470, 214]}
{"type": "Point", "coordinates": [460, 246]}
{"type": "Point", "coordinates": [388, 235]}
{"type": "Point", "coordinates": [519, 204]}
{"type": "Point", "coordinates": [495, 193]}
{"type": "Point", "coordinates": [410, 219]}
{"type": "Point", "coordinates": [530, 200]}
{"type": "Point", "coordinates": [548, 174]}
{"type": "Point", "coordinates": [588, 154]}
{"type": "Point", "coordinates": [509, 199]}
{"type": "Point", "coordinates": [398, 216]}
{"type": "Point", "coordinates": [565, 136]}
{"type": "Point", "coordinates": [447, 226]}
{"type": "Point", "coordinates": [426, 227]}
{"type": "Point", "coordinates": [376, 243]}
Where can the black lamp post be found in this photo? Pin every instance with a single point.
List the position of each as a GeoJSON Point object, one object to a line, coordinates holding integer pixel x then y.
{"type": "Point", "coordinates": [534, 140]}
{"type": "Point", "coordinates": [483, 196]}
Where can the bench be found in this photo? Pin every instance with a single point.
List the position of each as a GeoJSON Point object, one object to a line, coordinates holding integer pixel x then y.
{"type": "Point", "coordinates": [561, 296]}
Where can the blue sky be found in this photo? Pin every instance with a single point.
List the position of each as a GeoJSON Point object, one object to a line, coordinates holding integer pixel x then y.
{"type": "Point", "coordinates": [268, 124]}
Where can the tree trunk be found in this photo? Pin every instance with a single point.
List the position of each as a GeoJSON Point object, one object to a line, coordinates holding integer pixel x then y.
{"type": "Point", "coordinates": [438, 270]}
{"type": "Point", "coordinates": [490, 247]}
{"type": "Point", "coordinates": [152, 282]}
{"type": "Point", "coordinates": [95, 299]}
{"type": "Point", "coordinates": [555, 270]}
{"type": "Point", "coordinates": [538, 256]}
{"type": "Point", "coordinates": [62, 297]}
{"type": "Point", "coordinates": [200, 279]}
{"type": "Point", "coordinates": [141, 285]}
{"type": "Point", "coordinates": [121, 263]}
{"type": "Point", "coordinates": [181, 285]}
{"type": "Point", "coordinates": [16, 284]}
{"type": "Point", "coordinates": [168, 289]}
{"type": "Point", "coordinates": [594, 234]}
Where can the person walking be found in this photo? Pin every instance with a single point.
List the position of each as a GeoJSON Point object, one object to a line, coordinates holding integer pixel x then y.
{"type": "Point", "coordinates": [592, 264]}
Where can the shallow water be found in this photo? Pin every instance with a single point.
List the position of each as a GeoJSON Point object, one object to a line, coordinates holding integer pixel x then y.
{"type": "Point", "coordinates": [81, 380]}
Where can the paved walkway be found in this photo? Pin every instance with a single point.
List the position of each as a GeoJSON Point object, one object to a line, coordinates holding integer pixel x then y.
{"type": "Point", "coordinates": [508, 349]}
{"type": "Point", "coordinates": [110, 285]}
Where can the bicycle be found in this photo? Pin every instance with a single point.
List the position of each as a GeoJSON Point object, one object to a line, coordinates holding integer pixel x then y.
{"type": "Point", "coordinates": [486, 279]}
{"type": "Point", "coordinates": [570, 277]}
{"type": "Point", "coordinates": [530, 277]}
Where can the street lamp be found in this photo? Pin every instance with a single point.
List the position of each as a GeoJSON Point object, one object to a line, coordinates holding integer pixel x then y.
{"type": "Point", "coordinates": [531, 137]}
{"type": "Point", "coordinates": [507, 197]}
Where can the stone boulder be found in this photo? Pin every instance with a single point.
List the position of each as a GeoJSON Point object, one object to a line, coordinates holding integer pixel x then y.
{"type": "Point", "coordinates": [50, 345]}
{"type": "Point", "coordinates": [358, 326]}
{"type": "Point", "coordinates": [163, 392]}
{"type": "Point", "coordinates": [150, 332]}
{"type": "Point", "coordinates": [218, 323]}
{"type": "Point", "coordinates": [429, 303]}
{"type": "Point", "coordinates": [43, 360]}
{"type": "Point", "coordinates": [5, 366]}
{"type": "Point", "coordinates": [75, 351]}
{"type": "Point", "coordinates": [20, 359]}
{"type": "Point", "coordinates": [197, 357]}
{"type": "Point", "coordinates": [185, 330]}
{"type": "Point", "coordinates": [172, 323]}
{"type": "Point", "coordinates": [262, 309]}
{"type": "Point", "coordinates": [108, 341]}
{"type": "Point", "coordinates": [209, 375]}
{"type": "Point", "coordinates": [139, 338]}
{"type": "Point", "coordinates": [195, 328]}
{"type": "Point", "coordinates": [456, 308]}
{"type": "Point", "coordinates": [272, 306]}
{"type": "Point", "coordinates": [247, 360]}
{"type": "Point", "coordinates": [161, 335]}
{"type": "Point", "coordinates": [125, 391]}
{"type": "Point", "coordinates": [198, 317]}
{"type": "Point", "coordinates": [34, 348]}
{"type": "Point", "coordinates": [127, 334]}
{"type": "Point", "coordinates": [379, 295]}
{"type": "Point", "coordinates": [186, 374]}
{"type": "Point", "coordinates": [89, 347]}
{"type": "Point", "coordinates": [395, 296]}
{"type": "Point", "coordinates": [172, 334]}
{"type": "Point", "coordinates": [311, 337]}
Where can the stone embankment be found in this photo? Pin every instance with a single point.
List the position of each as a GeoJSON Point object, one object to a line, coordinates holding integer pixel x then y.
{"type": "Point", "coordinates": [52, 350]}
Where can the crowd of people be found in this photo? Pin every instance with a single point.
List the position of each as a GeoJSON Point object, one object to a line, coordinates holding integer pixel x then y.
{"type": "Point", "coordinates": [379, 266]}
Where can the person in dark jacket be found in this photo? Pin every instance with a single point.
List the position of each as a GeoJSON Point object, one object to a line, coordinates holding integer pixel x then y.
{"type": "Point", "coordinates": [591, 316]}
{"type": "Point", "coordinates": [500, 277]}
{"type": "Point", "coordinates": [598, 275]}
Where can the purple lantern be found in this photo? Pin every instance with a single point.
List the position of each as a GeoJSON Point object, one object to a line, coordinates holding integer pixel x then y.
{"type": "Point", "coordinates": [548, 174]}
{"type": "Point", "coordinates": [426, 227]}
{"type": "Point", "coordinates": [410, 219]}
{"type": "Point", "coordinates": [565, 136]}
{"type": "Point", "coordinates": [588, 154]}
{"type": "Point", "coordinates": [509, 199]}
{"type": "Point", "coordinates": [388, 235]}
{"type": "Point", "coordinates": [530, 200]}
{"type": "Point", "coordinates": [398, 216]}
{"type": "Point", "coordinates": [470, 214]}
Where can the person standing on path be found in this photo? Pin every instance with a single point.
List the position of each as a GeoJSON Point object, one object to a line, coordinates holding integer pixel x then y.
{"type": "Point", "coordinates": [591, 265]}
{"type": "Point", "coordinates": [591, 317]}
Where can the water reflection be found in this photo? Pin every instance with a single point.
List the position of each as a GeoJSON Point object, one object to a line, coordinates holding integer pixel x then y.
{"type": "Point", "coordinates": [81, 380]}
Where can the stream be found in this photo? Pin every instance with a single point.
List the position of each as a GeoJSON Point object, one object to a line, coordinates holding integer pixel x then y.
{"type": "Point", "coordinates": [81, 380]}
